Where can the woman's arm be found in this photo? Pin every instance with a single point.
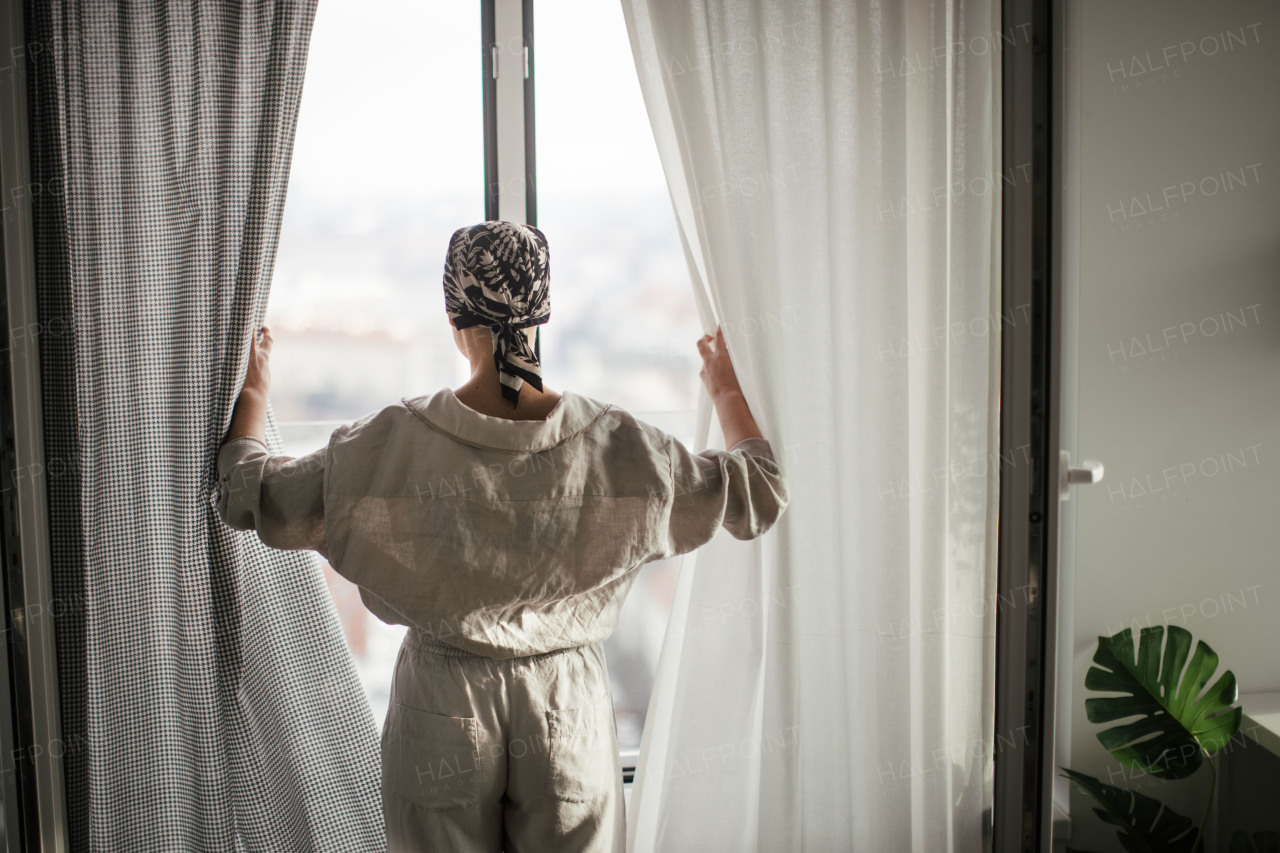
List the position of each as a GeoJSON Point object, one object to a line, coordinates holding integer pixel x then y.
{"type": "Point", "coordinates": [280, 497]}
{"type": "Point", "coordinates": [250, 415]}
{"type": "Point", "coordinates": [736, 420]}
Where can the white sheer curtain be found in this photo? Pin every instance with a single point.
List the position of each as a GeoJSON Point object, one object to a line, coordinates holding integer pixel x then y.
{"type": "Point", "coordinates": [833, 166]}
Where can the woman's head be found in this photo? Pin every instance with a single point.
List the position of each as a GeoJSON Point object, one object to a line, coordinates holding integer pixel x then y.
{"type": "Point", "coordinates": [496, 278]}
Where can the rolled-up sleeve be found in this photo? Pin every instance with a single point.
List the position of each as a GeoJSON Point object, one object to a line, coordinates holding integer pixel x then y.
{"type": "Point", "coordinates": [281, 497]}
{"type": "Point", "coordinates": [742, 490]}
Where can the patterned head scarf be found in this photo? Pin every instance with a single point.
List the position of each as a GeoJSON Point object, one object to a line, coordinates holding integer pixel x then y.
{"type": "Point", "coordinates": [496, 275]}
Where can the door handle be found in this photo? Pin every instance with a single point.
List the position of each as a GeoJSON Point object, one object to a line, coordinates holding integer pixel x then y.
{"type": "Point", "coordinates": [1090, 471]}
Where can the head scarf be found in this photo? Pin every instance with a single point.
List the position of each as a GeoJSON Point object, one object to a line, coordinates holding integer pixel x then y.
{"type": "Point", "coordinates": [496, 275]}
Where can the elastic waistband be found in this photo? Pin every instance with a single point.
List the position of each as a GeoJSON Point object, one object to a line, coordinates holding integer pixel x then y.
{"type": "Point", "coordinates": [421, 641]}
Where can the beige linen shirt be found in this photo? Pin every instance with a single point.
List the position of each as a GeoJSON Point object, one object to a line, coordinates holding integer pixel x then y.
{"type": "Point", "coordinates": [500, 537]}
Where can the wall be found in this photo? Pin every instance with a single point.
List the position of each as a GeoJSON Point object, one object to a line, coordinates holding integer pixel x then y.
{"type": "Point", "coordinates": [1173, 257]}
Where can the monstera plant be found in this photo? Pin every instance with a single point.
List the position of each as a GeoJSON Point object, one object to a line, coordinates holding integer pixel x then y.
{"type": "Point", "coordinates": [1179, 726]}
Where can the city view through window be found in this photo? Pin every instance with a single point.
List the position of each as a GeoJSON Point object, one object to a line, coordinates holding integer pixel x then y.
{"type": "Point", "coordinates": [388, 162]}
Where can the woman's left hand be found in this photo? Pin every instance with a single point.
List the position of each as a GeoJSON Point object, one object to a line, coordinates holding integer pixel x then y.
{"type": "Point", "coordinates": [258, 377]}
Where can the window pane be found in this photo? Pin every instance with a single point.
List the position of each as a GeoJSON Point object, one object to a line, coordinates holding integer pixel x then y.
{"type": "Point", "coordinates": [623, 322]}
{"type": "Point", "coordinates": [387, 162]}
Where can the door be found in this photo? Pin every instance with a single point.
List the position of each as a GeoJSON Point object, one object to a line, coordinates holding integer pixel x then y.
{"type": "Point", "coordinates": [1168, 225]}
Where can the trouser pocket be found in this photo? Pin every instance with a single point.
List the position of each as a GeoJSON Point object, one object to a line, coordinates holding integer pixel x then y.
{"type": "Point", "coordinates": [431, 759]}
{"type": "Point", "coordinates": [582, 751]}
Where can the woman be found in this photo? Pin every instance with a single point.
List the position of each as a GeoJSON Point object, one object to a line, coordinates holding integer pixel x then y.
{"type": "Point", "coordinates": [503, 522]}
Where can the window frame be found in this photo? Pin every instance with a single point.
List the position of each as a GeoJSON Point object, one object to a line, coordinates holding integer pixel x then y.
{"type": "Point", "coordinates": [509, 122]}
{"type": "Point", "coordinates": [1026, 657]}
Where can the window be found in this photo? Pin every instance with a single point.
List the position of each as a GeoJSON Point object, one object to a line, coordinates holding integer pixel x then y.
{"type": "Point", "coordinates": [389, 159]}
{"type": "Point", "coordinates": [623, 322]}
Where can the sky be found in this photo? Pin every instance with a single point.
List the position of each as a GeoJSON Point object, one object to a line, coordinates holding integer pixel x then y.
{"type": "Point", "coordinates": [424, 112]}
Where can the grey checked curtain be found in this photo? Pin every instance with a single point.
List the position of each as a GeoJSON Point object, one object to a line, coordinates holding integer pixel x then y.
{"type": "Point", "coordinates": [205, 674]}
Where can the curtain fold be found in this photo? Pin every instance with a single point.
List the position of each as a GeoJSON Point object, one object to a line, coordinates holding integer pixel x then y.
{"type": "Point", "coordinates": [834, 171]}
{"type": "Point", "coordinates": [209, 701]}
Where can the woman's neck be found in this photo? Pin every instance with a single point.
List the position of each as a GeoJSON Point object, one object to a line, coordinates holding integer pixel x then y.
{"type": "Point", "coordinates": [483, 393]}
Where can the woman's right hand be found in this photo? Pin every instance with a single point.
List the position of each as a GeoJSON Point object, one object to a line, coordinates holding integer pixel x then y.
{"type": "Point", "coordinates": [717, 370]}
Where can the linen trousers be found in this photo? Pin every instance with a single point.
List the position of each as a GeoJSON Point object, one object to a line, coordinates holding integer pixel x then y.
{"type": "Point", "coordinates": [517, 755]}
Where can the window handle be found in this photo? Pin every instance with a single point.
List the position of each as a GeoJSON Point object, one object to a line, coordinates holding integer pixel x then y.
{"type": "Point", "coordinates": [1090, 472]}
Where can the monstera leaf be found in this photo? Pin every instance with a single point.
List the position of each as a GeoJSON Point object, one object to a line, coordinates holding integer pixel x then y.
{"type": "Point", "coordinates": [1261, 842]}
{"type": "Point", "coordinates": [1146, 826]}
{"type": "Point", "coordinates": [1177, 724]}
